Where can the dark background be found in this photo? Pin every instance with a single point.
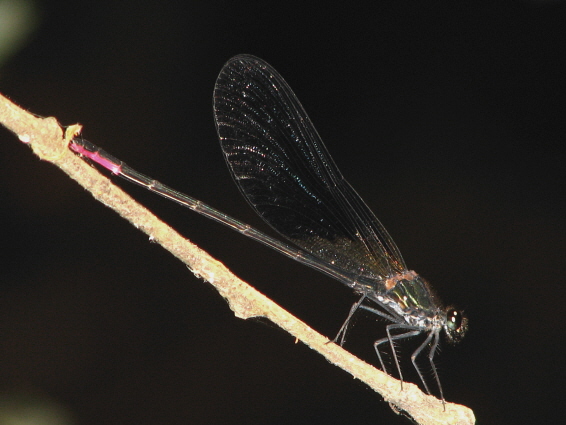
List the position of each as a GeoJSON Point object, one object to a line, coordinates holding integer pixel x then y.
{"type": "Point", "coordinates": [448, 120]}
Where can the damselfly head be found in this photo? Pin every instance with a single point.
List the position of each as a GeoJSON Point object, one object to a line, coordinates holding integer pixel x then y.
{"type": "Point", "coordinates": [455, 326]}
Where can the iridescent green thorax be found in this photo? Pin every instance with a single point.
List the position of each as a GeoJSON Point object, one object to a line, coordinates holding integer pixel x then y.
{"type": "Point", "coordinates": [411, 293]}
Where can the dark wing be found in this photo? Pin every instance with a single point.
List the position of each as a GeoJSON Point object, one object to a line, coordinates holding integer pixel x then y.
{"type": "Point", "coordinates": [282, 167]}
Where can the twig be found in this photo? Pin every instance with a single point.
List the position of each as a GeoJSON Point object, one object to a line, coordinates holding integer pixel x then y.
{"type": "Point", "coordinates": [47, 140]}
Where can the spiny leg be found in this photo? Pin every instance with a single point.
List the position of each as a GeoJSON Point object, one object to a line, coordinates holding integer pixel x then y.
{"type": "Point", "coordinates": [391, 338]}
{"type": "Point", "coordinates": [432, 365]}
{"type": "Point", "coordinates": [386, 316]}
{"type": "Point", "coordinates": [342, 332]}
{"type": "Point", "coordinates": [417, 352]}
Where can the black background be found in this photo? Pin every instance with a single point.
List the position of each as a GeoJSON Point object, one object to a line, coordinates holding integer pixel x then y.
{"type": "Point", "coordinates": [448, 120]}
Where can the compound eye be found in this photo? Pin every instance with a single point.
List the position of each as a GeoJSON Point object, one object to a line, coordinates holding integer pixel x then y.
{"type": "Point", "coordinates": [453, 320]}
{"type": "Point", "coordinates": [456, 325]}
